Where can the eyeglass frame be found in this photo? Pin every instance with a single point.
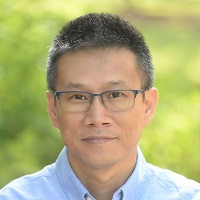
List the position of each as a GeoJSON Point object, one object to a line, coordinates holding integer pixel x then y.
{"type": "Point", "coordinates": [58, 93]}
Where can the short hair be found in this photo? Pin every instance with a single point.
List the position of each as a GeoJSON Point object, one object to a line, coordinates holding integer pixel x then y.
{"type": "Point", "coordinates": [99, 30]}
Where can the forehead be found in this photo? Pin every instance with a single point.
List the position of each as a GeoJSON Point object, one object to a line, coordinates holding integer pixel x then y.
{"type": "Point", "coordinates": [98, 68]}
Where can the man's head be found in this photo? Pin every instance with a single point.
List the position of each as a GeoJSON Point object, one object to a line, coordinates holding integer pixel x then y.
{"type": "Point", "coordinates": [96, 65]}
{"type": "Point", "coordinates": [100, 31]}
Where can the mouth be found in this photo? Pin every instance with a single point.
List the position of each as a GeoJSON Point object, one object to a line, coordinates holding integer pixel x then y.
{"type": "Point", "coordinates": [98, 140]}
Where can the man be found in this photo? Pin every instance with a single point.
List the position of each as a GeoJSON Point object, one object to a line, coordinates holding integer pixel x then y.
{"type": "Point", "coordinates": [100, 96]}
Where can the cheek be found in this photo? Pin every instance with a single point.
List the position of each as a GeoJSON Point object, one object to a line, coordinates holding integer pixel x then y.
{"type": "Point", "coordinates": [69, 125]}
{"type": "Point", "coordinates": [132, 124]}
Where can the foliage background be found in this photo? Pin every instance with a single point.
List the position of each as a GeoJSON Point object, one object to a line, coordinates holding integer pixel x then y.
{"type": "Point", "coordinates": [28, 141]}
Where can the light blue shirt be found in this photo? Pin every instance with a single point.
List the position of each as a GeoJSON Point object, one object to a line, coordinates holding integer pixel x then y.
{"type": "Point", "coordinates": [58, 182]}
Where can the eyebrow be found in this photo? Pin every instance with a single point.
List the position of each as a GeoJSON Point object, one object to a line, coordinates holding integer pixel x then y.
{"type": "Point", "coordinates": [72, 85]}
{"type": "Point", "coordinates": [119, 82]}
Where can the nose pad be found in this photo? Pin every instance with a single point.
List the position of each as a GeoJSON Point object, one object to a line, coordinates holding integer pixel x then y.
{"type": "Point", "coordinates": [94, 104]}
{"type": "Point", "coordinates": [100, 99]}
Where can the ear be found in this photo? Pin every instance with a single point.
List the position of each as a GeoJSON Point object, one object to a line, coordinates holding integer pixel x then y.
{"type": "Point", "coordinates": [53, 115]}
{"type": "Point", "coordinates": [151, 100]}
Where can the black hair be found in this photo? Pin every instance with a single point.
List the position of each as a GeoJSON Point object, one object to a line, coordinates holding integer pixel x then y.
{"type": "Point", "coordinates": [100, 30]}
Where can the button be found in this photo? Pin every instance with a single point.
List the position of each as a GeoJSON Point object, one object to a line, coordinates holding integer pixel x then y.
{"type": "Point", "coordinates": [88, 198]}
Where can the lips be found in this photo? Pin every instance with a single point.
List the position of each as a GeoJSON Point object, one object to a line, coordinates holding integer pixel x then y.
{"type": "Point", "coordinates": [98, 140]}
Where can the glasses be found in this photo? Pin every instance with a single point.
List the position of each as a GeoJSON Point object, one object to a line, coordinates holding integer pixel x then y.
{"type": "Point", "coordinates": [113, 100]}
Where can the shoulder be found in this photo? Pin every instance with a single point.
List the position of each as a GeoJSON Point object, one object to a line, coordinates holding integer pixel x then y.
{"type": "Point", "coordinates": [24, 187]}
{"type": "Point", "coordinates": [172, 183]}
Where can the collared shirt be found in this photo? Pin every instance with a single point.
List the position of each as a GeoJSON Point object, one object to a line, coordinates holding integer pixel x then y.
{"type": "Point", "coordinates": [59, 182]}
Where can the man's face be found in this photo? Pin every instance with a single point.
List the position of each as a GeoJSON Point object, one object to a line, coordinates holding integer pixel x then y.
{"type": "Point", "coordinates": [98, 137]}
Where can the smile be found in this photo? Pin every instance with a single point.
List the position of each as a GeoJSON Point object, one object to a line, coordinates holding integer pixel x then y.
{"type": "Point", "coordinates": [98, 140]}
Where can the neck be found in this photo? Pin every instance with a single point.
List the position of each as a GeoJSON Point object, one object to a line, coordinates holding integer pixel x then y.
{"type": "Point", "coordinates": [109, 178]}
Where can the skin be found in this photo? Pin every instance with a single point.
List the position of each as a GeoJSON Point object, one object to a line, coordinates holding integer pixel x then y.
{"type": "Point", "coordinates": [102, 145]}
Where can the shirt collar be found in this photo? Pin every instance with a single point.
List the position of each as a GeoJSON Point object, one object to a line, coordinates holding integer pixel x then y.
{"type": "Point", "coordinates": [74, 189]}
{"type": "Point", "coordinates": [69, 182]}
{"type": "Point", "coordinates": [137, 179]}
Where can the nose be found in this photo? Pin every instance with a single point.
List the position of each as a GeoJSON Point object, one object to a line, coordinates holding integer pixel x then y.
{"type": "Point", "coordinates": [97, 115]}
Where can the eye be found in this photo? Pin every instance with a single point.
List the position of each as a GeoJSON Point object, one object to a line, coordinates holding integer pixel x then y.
{"type": "Point", "coordinates": [115, 94]}
{"type": "Point", "coordinates": [78, 97]}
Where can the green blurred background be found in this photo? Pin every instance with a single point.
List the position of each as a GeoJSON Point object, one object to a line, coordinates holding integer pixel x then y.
{"type": "Point", "coordinates": [28, 141]}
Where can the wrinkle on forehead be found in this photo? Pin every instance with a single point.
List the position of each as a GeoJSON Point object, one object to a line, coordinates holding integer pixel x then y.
{"type": "Point", "coordinates": [98, 70]}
